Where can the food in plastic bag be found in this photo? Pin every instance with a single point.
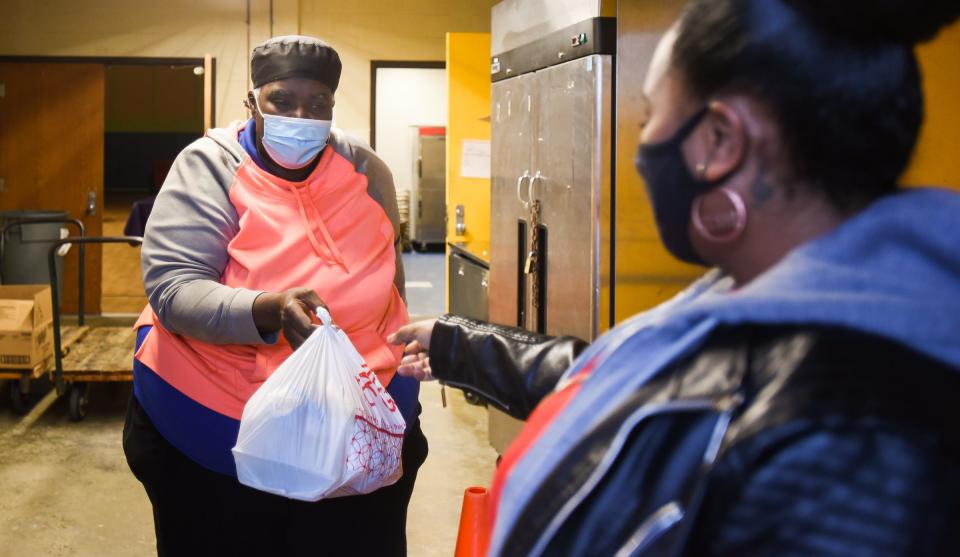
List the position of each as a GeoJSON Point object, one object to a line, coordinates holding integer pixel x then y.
{"type": "Point", "coordinates": [322, 425]}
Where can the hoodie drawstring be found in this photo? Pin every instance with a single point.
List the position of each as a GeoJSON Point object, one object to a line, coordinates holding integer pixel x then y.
{"type": "Point", "coordinates": [311, 235]}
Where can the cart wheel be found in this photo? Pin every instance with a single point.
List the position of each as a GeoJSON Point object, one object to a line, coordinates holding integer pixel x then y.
{"type": "Point", "coordinates": [78, 401]}
{"type": "Point", "coordinates": [473, 398]}
{"type": "Point", "coordinates": [20, 402]}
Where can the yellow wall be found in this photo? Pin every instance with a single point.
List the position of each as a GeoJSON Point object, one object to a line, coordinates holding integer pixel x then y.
{"type": "Point", "coordinates": [172, 28]}
{"type": "Point", "coordinates": [468, 91]}
{"type": "Point", "coordinates": [361, 30]}
{"type": "Point", "coordinates": [365, 30]}
{"type": "Point", "coordinates": [646, 274]}
{"type": "Point", "coordinates": [468, 107]}
{"type": "Point", "coordinates": [937, 160]}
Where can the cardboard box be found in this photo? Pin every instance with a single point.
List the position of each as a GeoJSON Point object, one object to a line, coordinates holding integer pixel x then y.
{"type": "Point", "coordinates": [26, 325]}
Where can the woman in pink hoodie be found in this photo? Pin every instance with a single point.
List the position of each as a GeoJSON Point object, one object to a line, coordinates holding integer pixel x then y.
{"type": "Point", "coordinates": [256, 226]}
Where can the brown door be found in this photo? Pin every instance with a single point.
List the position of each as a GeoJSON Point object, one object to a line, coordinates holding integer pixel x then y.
{"type": "Point", "coordinates": [51, 153]}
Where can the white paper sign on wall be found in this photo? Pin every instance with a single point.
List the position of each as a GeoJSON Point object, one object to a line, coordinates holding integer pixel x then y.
{"type": "Point", "coordinates": [475, 159]}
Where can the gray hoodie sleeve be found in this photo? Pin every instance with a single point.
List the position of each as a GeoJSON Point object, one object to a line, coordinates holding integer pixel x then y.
{"type": "Point", "coordinates": [185, 250]}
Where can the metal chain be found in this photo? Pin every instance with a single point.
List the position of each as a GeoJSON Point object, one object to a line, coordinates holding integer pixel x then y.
{"type": "Point", "coordinates": [535, 252]}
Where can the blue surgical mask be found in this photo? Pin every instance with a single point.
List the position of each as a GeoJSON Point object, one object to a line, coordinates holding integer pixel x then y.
{"type": "Point", "coordinates": [293, 143]}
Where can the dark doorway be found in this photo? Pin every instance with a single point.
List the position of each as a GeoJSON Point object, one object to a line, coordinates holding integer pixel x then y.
{"type": "Point", "coordinates": [152, 112]}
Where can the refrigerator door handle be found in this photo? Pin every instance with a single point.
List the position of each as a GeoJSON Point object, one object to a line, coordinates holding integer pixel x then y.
{"type": "Point", "coordinates": [531, 187]}
{"type": "Point", "coordinates": [520, 180]}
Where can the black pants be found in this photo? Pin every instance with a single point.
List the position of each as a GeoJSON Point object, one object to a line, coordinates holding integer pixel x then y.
{"type": "Point", "coordinates": [199, 512]}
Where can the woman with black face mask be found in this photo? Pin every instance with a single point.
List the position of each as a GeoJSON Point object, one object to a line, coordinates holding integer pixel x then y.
{"type": "Point", "coordinates": [799, 399]}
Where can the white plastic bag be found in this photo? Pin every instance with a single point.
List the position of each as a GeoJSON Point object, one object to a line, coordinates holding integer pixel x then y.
{"type": "Point", "coordinates": [321, 426]}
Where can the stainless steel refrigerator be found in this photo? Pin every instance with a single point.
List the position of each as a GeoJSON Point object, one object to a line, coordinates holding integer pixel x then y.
{"type": "Point", "coordinates": [567, 79]}
{"type": "Point", "coordinates": [552, 135]}
{"type": "Point", "coordinates": [552, 163]}
{"type": "Point", "coordinates": [428, 196]}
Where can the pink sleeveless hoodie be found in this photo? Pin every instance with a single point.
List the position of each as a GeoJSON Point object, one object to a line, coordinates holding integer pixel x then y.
{"type": "Point", "coordinates": [326, 233]}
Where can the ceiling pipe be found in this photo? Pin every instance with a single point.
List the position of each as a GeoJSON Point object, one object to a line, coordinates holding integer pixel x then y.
{"type": "Point", "coordinates": [247, 52]}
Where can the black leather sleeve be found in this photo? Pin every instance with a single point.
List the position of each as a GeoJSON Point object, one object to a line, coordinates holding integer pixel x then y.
{"type": "Point", "coordinates": [511, 368]}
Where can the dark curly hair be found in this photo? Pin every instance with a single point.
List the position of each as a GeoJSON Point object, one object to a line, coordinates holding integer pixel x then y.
{"type": "Point", "coordinates": [840, 77]}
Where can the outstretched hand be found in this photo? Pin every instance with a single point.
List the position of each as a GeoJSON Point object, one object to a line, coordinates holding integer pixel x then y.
{"type": "Point", "coordinates": [416, 359]}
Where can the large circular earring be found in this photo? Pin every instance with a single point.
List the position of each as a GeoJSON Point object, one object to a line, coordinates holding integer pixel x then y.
{"type": "Point", "coordinates": [735, 221]}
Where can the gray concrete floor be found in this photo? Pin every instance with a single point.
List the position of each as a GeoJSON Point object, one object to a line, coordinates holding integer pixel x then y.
{"type": "Point", "coordinates": [65, 488]}
{"type": "Point", "coordinates": [426, 283]}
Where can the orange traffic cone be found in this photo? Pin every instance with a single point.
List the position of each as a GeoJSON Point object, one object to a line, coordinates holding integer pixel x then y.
{"type": "Point", "coordinates": [474, 535]}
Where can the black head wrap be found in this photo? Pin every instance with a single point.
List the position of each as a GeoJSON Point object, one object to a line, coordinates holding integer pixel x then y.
{"type": "Point", "coordinates": [295, 56]}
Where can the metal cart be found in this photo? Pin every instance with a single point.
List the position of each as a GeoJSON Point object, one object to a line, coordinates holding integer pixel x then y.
{"type": "Point", "coordinates": [96, 354]}
{"type": "Point", "coordinates": [21, 396]}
